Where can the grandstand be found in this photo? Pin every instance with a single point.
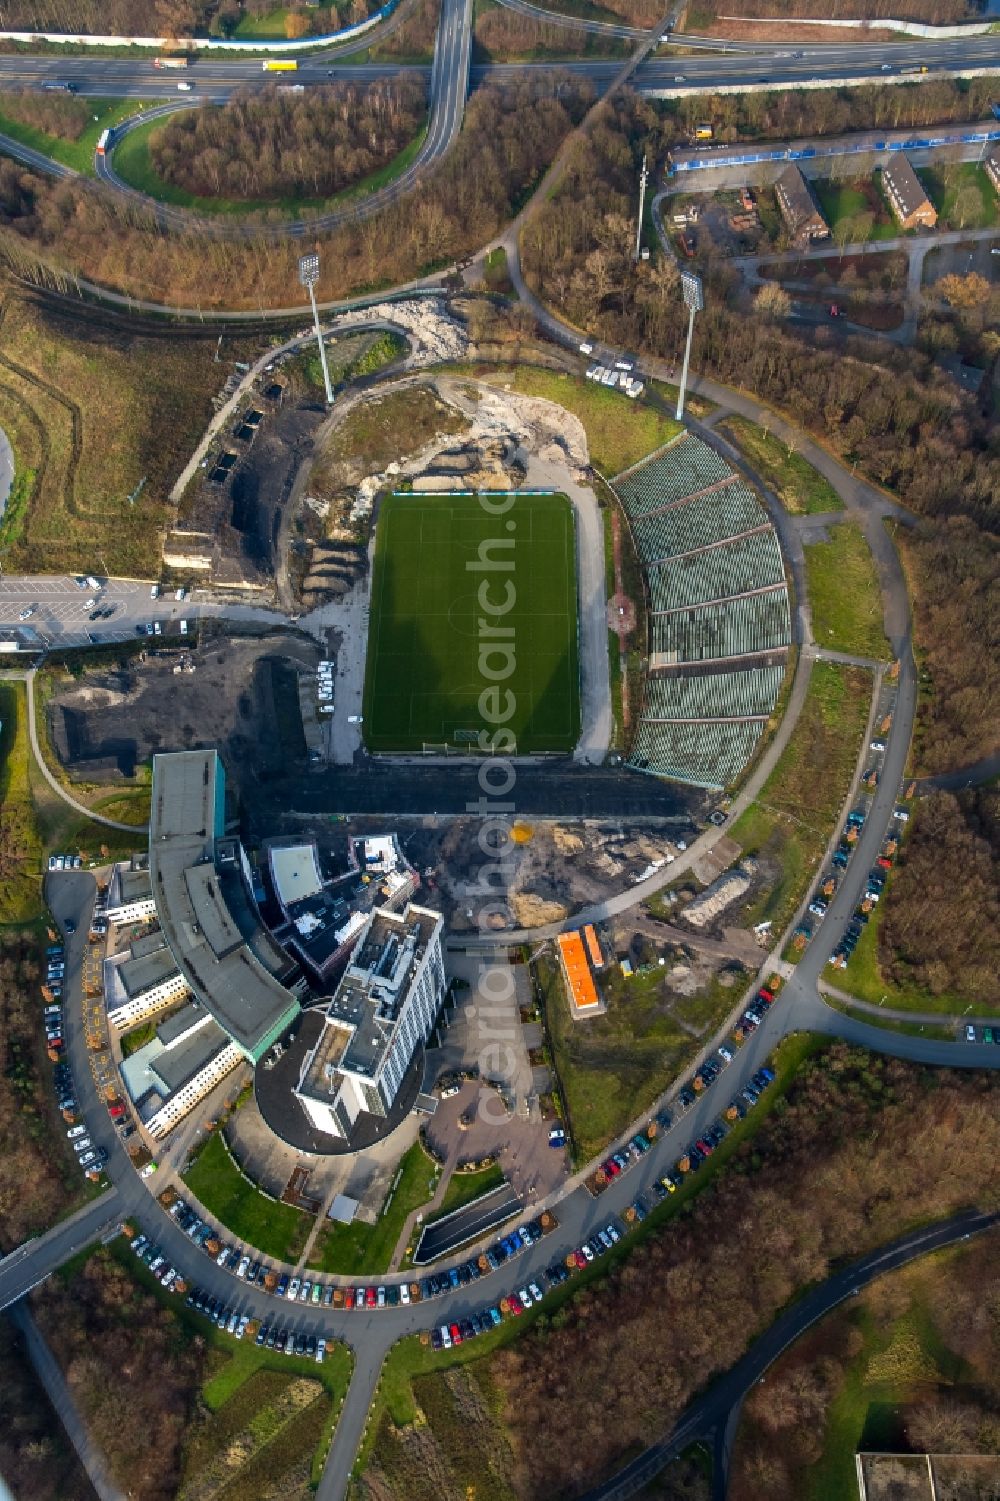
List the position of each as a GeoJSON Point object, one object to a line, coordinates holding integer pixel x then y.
{"type": "Point", "coordinates": [720, 624]}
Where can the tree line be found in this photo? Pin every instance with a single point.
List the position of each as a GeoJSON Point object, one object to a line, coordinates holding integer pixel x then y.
{"type": "Point", "coordinates": [174, 18]}
{"type": "Point", "coordinates": [936, 12]}
{"type": "Point", "coordinates": [862, 1146]}
{"type": "Point", "coordinates": [51, 232]}
{"type": "Point", "coordinates": [60, 115]}
{"type": "Point", "coordinates": [508, 35]}
{"type": "Point", "coordinates": [888, 410]}
{"type": "Point", "coordinates": [940, 931]}
{"type": "Point", "coordinates": [265, 144]}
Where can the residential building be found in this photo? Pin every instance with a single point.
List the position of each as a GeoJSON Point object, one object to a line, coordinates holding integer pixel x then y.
{"type": "Point", "coordinates": [906, 194]}
{"type": "Point", "coordinates": [381, 1013]}
{"type": "Point", "coordinates": [130, 893]}
{"type": "Point", "coordinates": [581, 991]}
{"type": "Point", "coordinates": [992, 166]}
{"type": "Point", "coordinates": [142, 982]}
{"type": "Point", "coordinates": [189, 1055]}
{"type": "Point", "coordinates": [799, 208]}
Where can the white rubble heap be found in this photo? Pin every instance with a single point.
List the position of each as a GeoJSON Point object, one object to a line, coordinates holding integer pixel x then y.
{"type": "Point", "coordinates": [433, 334]}
{"type": "Point", "coordinates": [714, 900]}
{"type": "Point", "coordinates": [550, 440]}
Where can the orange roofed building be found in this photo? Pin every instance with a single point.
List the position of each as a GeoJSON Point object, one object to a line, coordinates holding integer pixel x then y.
{"type": "Point", "coordinates": [584, 1000]}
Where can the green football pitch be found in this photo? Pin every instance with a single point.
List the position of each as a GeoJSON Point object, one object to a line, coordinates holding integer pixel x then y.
{"type": "Point", "coordinates": [467, 602]}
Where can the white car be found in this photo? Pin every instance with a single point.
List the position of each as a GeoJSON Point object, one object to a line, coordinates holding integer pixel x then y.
{"type": "Point", "coordinates": [320, 1350]}
{"type": "Point", "coordinates": [243, 1267]}
{"type": "Point", "coordinates": [725, 1055]}
{"type": "Point", "coordinates": [527, 1300]}
{"type": "Point", "coordinates": [404, 1294]}
{"type": "Point", "coordinates": [222, 1257]}
{"type": "Point", "coordinates": [154, 591]}
{"type": "Point", "coordinates": [27, 612]}
{"type": "Point", "coordinates": [445, 1337]}
{"type": "Point", "coordinates": [293, 1289]}
{"type": "Point", "coordinates": [535, 1291]}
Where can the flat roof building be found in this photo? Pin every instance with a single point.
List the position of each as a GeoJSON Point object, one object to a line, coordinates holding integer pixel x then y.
{"type": "Point", "coordinates": [189, 1055]}
{"type": "Point", "coordinates": [906, 194]}
{"type": "Point", "coordinates": [799, 209]}
{"type": "Point", "coordinates": [229, 962]}
{"type": "Point", "coordinates": [381, 1013]}
{"type": "Point", "coordinates": [580, 988]}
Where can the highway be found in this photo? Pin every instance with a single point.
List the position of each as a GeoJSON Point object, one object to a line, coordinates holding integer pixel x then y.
{"type": "Point", "coordinates": [214, 81]}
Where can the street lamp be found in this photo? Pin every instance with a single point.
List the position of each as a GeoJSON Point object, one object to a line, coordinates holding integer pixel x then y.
{"type": "Point", "coordinates": [309, 276]}
{"type": "Point", "coordinates": [694, 301]}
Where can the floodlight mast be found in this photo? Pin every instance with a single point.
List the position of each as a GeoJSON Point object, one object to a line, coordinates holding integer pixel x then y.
{"type": "Point", "coordinates": [309, 276]}
{"type": "Point", "coordinates": [694, 301]}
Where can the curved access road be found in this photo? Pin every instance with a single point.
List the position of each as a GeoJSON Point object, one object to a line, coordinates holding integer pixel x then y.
{"type": "Point", "coordinates": [28, 678]}
{"type": "Point", "coordinates": [449, 85]}
{"type": "Point", "coordinates": [723, 1399]}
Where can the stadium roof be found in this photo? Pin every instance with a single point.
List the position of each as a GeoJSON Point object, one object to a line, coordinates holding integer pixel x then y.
{"type": "Point", "coordinates": [221, 967]}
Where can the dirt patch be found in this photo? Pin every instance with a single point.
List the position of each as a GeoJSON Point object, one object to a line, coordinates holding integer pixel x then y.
{"type": "Point", "coordinates": [239, 695]}
{"type": "Point", "coordinates": [787, 31]}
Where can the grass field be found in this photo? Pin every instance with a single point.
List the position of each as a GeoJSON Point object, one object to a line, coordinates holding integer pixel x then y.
{"type": "Point", "coordinates": [799, 487]}
{"type": "Point", "coordinates": [944, 187]}
{"type": "Point", "coordinates": [360, 1250]}
{"type": "Point", "coordinates": [65, 388]}
{"type": "Point", "coordinates": [78, 154]}
{"type": "Point", "coordinates": [845, 200]}
{"type": "Point", "coordinates": [20, 846]}
{"type": "Point", "coordinates": [613, 1069]}
{"type": "Point", "coordinates": [619, 432]}
{"type": "Point", "coordinates": [792, 820]}
{"type": "Point", "coordinates": [134, 164]}
{"type": "Point", "coordinates": [433, 673]}
{"type": "Point", "coordinates": [464, 1187]}
{"type": "Point", "coordinates": [844, 594]}
{"type": "Point", "coordinates": [277, 1230]}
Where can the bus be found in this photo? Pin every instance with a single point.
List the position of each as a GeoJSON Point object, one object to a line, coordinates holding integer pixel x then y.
{"type": "Point", "coordinates": [279, 65]}
{"type": "Point", "coordinates": [103, 142]}
{"type": "Point", "coordinates": [182, 60]}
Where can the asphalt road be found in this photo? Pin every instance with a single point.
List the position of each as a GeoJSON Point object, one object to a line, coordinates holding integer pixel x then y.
{"type": "Point", "coordinates": [370, 1333]}
{"type": "Point", "coordinates": [449, 83]}
{"type": "Point", "coordinates": [126, 78]}
{"type": "Point", "coordinates": [725, 1396]}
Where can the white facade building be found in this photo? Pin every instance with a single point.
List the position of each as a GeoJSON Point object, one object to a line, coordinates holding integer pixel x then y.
{"type": "Point", "coordinates": [382, 1011]}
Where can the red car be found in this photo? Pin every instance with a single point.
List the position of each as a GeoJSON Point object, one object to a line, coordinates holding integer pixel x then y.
{"type": "Point", "coordinates": [611, 1168]}
{"type": "Point", "coordinates": [349, 1298]}
{"type": "Point", "coordinates": [703, 1146]}
{"type": "Point", "coordinates": [369, 1297]}
{"type": "Point", "coordinates": [765, 995]}
{"type": "Point", "coordinates": [514, 1304]}
{"type": "Point", "coordinates": [580, 1259]}
{"type": "Point", "coordinates": [884, 861]}
{"type": "Point", "coordinates": [456, 1334]}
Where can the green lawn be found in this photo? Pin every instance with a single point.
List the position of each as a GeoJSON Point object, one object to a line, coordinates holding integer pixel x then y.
{"type": "Point", "coordinates": [77, 154]}
{"type": "Point", "coordinates": [954, 191]}
{"type": "Point", "coordinates": [611, 1068]}
{"type": "Point", "coordinates": [473, 623]}
{"type": "Point", "coordinates": [844, 593]}
{"type": "Point", "coordinates": [464, 1187]}
{"type": "Point", "coordinates": [799, 487]}
{"type": "Point", "coordinates": [794, 815]}
{"type": "Point", "coordinates": [930, 1030]}
{"type": "Point", "coordinates": [619, 432]}
{"type": "Point", "coordinates": [138, 1037]}
{"type": "Point", "coordinates": [277, 1230]}
{"type": "Point", "coordinates": [845, 200]}
{"type": "Point", "coordinates": [134, 164]}
{"type": "Point", "coordinates": [363, 1250]}
{"type": "Point", "coordinates": [20, 845]}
